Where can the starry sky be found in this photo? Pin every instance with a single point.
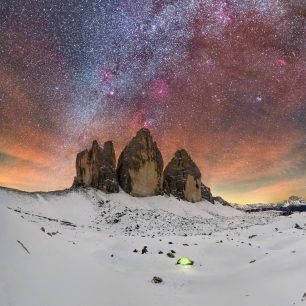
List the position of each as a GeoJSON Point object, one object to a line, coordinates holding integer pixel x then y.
{"type": "Point", "coordinates": [224, 79]}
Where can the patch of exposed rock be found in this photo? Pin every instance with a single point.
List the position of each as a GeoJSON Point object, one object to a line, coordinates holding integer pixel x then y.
{"type": "Point", "coordinates": [221, 201]}
{"type": "Point", "coordinates": [206, 193]}
{"type": "Point", "coordinates": [140, 166]}
{"type": "Point", "coordinates": [97, 168]}
{"type": "Point", "coordinates": [182, 178]}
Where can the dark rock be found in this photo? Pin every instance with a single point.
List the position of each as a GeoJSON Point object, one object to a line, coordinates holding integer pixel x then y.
{"type": "Point", "coordinates": [252, 261]}
{"type": "Point", "coordinates": [182, 178]}
{"type": "Point", "coordinates": [221, 201]}
{"type": "Point", "coordinates": [297, 226]}
{"type": "Point", "coordinates": [160, 252]}
{"type": "Point", "coordinates": [140, 166]}
{"type": "Point", "coordinates": [67, 223]}
{"type": "Point", "coordinates": [144, 250]}
{"type": "Point", "coordinates": [157, 280]}
{"type": "Point", "coordinates": [206, 194]}
{"type": "Point", "coordinates": [135, 251]}
{"type": "Point", "coordinates": [97, 168]}
{"type": "Point", "coordinates": [42, 229]}
{"type": "Point", "coordinates": [23, 246]}
{"type": "Point", "coordinates": [171, 255]}
{"type": "Point", "coordinates": [286, 213]}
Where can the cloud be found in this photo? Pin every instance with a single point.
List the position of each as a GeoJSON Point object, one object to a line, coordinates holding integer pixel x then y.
{"type": "Point", "coordinates": [6, 159]}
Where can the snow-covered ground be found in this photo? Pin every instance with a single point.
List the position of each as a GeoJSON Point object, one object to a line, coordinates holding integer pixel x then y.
{"type": "Point", "coordinates": [78, 248]}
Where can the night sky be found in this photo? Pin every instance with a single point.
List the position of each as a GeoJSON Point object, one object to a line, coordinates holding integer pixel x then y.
{"type": "Point", "coordinates": [224, 79]}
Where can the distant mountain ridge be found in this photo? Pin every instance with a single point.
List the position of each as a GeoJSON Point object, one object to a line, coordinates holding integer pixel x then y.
{"type": "Point", "coordinates": [292, 204]}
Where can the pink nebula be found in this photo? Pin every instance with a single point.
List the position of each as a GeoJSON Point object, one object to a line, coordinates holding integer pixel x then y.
{"type": "Point", "coordinates": [106, 75]}
{"type": "Point", "coordinates": [282, 62]}
{"type": "Point", "coordinates": [149, 123]}
{"type": "Point", "coordinates": [225, 17]}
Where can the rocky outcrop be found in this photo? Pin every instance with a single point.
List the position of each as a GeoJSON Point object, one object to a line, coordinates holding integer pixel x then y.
{"type": "Point", "coordinates": [140, 170]}
{"type": "Point", "coordinates": [140, 166]}
{"type": "Point", "coordinates": [182, 178]}
{"type": "Point", "coordinates": [221, 201]}
{"type": "Point", "coordinates": [206, 194]}
{"type": "Point", "coordinates": [97, 168]}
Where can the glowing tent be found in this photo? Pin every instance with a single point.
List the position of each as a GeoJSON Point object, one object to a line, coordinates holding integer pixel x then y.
{"type": "Point", "coordinates": [185, 261]}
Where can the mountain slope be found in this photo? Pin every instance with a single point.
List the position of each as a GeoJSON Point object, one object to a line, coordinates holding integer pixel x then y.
{"type": "Point", "coordinates": [76, 248]}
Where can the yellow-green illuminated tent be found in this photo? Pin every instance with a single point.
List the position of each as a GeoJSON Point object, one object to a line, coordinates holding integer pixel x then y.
{"type": "Point", "coordinates": [185, 261]}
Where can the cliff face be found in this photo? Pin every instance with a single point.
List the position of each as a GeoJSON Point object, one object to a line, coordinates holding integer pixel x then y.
{"type": "Point", "coordinates": [97, 168]}
{"type": "Point", "coordinates": [140, 166]}
{"type": "Point", "coordinates": [182, 178]}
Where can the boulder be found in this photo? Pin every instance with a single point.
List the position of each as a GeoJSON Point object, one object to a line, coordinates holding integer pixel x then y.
{"type": "Point", "coordinates": [140, 166]}
{"type": "Point", "coordinates": [97, 168]}
{"type": "Point", "coordinates": [182, 178]}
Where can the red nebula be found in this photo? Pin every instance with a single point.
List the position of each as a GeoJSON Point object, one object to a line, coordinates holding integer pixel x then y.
{"type": "Point", "coordinates": [282, 62]}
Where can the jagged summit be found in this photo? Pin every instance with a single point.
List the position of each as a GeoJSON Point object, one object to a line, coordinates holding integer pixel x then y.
{"type": "Point", "coordinates": [182, 153]}
{"type": "Point", "coordinates": [143, 132]}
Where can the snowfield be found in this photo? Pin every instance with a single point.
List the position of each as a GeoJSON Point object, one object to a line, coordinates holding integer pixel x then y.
{"type": "Point", "coordinates": [84, 248]}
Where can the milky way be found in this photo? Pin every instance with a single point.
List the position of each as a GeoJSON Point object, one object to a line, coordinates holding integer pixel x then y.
{"type": "Point", "coordinates": [224, 79]}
